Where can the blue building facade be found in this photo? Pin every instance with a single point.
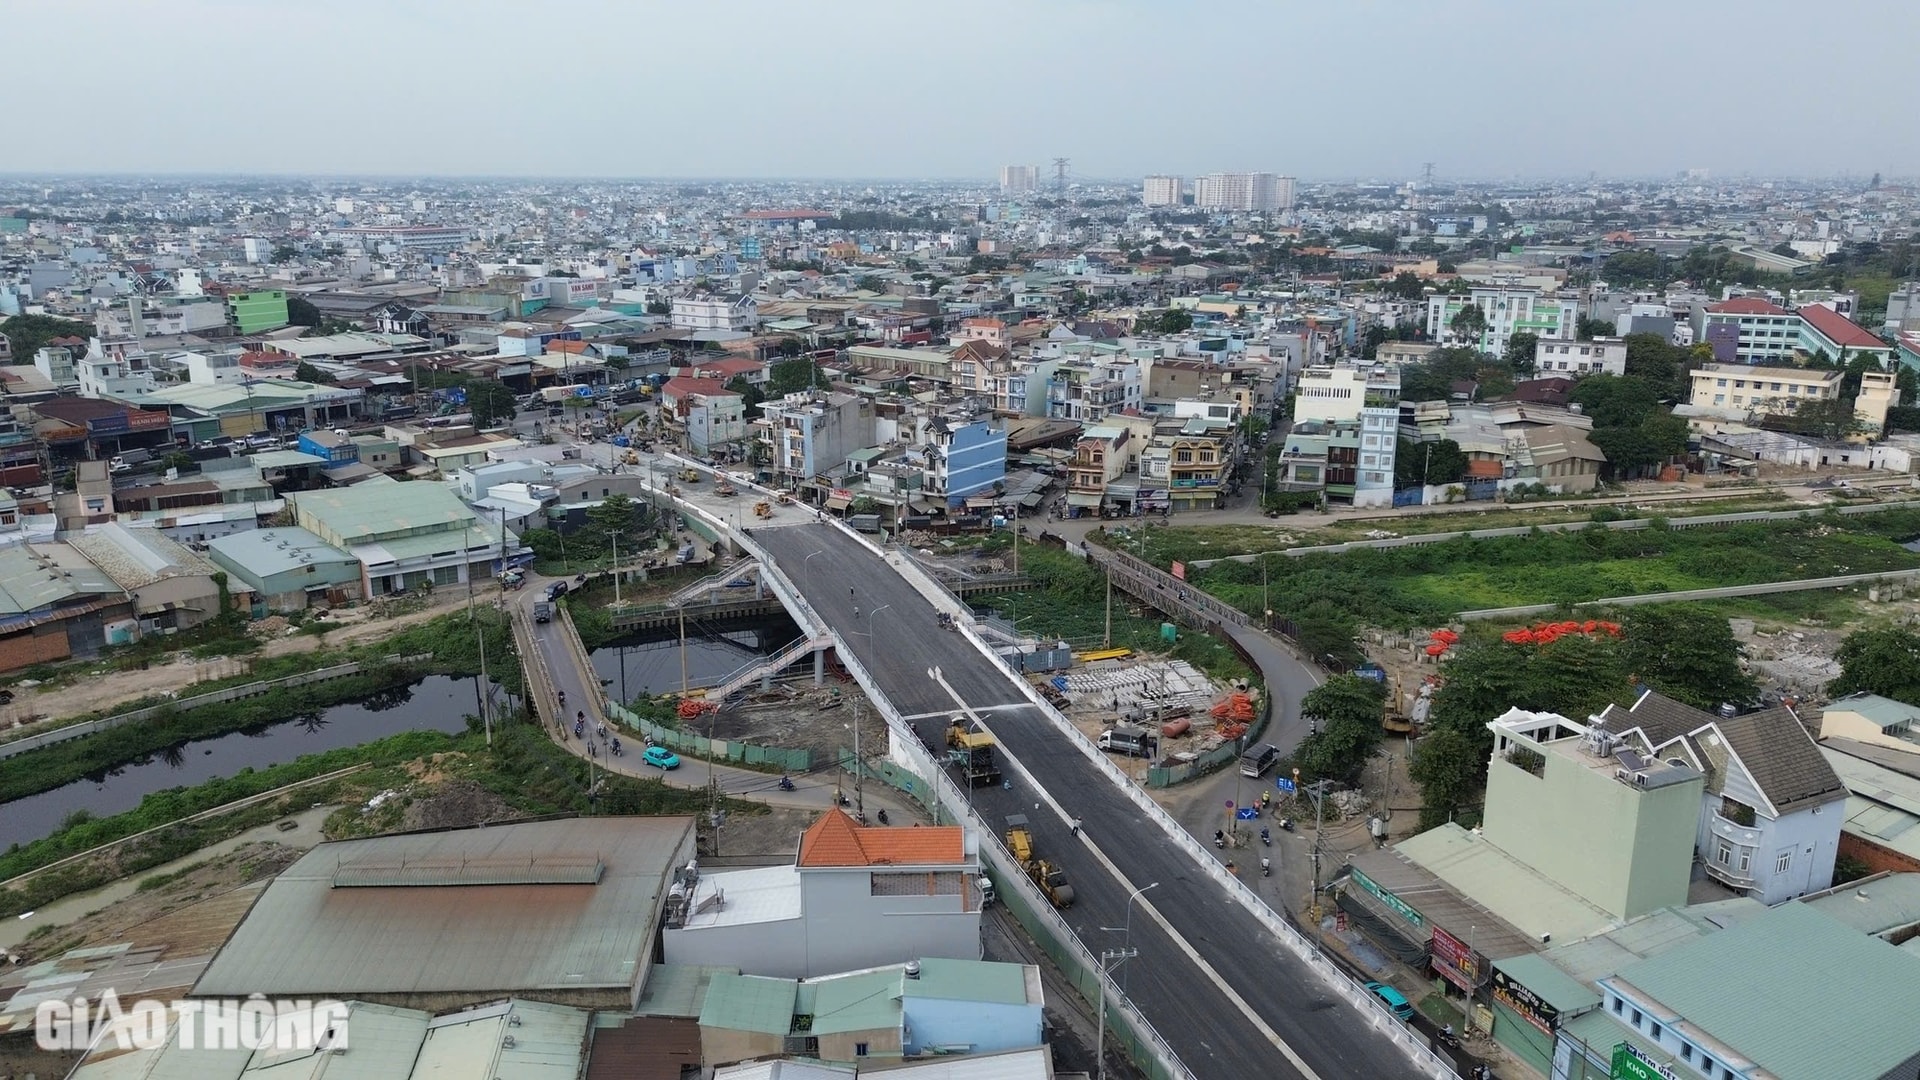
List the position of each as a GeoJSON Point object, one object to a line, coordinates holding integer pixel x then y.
{"type": "Point", "coordinates": [976, 460]}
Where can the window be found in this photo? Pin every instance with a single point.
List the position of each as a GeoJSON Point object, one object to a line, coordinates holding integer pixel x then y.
{"type": "Point", "coordinates": [1636, 1019]}
{"type": "Point", "coordinates": [1783, 862]}
{"type": "Point", "coordinates": [1653, 1031]}
{"type": "Point", "coordinates": [1746, 859]}
{"type": "Point", "coordinates": [1686, 1051]}
{"type": "Point", "coordinates": [1619, 1006]}
{"type": "Point", "coordinates": [859, 1049]}
{"type": "Point", "coordinates": [1719, 382]}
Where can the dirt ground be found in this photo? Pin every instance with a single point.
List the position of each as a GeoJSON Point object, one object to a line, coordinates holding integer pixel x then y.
{"type": "Point", "coordinates": [101, 690]}
{"type": "Point", "coordinates": [801, 716]}
{"type": "Point", "coordinates": [189, 915]}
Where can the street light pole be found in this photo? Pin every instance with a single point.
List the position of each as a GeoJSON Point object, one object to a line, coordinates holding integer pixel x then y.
{"type": "Point", "coordinates": [1126, 928]}
{"type": "Point", "coordinates": [1100, 1040]}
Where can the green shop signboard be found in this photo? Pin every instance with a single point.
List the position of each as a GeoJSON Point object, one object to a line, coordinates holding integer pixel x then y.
{"type": "Point", "coordinates": [1628, 1064]}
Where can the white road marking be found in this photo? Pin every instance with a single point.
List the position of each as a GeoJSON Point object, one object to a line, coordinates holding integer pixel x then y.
{"type": "Point", "coordinates": [1011, 707]}
{"type": "Point", "coordinates": [1173, 935]}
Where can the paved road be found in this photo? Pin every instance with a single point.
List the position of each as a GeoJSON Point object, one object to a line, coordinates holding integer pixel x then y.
{"type": "Point", "coordinates": [895, 634]}
{"type": "Point", "coordinates": [582, 687]}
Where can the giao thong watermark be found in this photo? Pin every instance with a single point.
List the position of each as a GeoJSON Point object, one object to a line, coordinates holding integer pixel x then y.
{"type": "Point", "coordinates": [252, 1023]}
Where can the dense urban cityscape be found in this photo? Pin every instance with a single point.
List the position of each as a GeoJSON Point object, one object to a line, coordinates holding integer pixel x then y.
{"type": "Point", "coordinates": [1253, 614]}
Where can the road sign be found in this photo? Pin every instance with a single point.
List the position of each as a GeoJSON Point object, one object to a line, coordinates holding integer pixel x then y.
{"type": "Point", "coordinates": [1248, 814]}
{"type": "Point", "coordinates": [1283, 784]}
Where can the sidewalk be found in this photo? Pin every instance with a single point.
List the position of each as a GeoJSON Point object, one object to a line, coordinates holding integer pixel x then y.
{"type": "Point", "coordinates": [812, 792]}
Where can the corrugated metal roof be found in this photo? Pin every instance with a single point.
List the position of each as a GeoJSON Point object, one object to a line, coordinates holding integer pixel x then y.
{"type": "Point", "coordinates": [538, 870]}
{"type": "Point", "coordinates": [306, 938]}
{"type": "Point", "coordinates": [1799, 993]}
{"type": "Point", "coordinates": [677, 989]}
{"type": "Point", "coordinates": [971, 980]}
{"type": "Point", "coordinates": [750, 1003]}
{"type": "Point", "coordinates": [1513, 891]}
{"type": "Point", "coordinates": [868, 1001]}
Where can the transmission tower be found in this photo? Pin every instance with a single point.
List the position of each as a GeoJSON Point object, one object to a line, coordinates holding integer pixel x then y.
{"type": "Point", "coordinates": [1426, 174]}
{"type": "Point", "coordinates": [1060, 174]}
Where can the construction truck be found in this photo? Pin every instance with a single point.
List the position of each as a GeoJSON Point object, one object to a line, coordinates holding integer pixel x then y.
{"type": "Point", "coordinates": [1049, 879]}
{"type": "Point", "coordinates": [725, 488]}
{"type": "Point", "coordinates": [970, 753]}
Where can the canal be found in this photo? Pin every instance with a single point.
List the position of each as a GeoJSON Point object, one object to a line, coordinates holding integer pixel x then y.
{"type": "Point", "coordinates": [437, 703]}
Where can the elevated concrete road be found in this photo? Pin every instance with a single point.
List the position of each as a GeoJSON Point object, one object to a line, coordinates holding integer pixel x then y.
{"type": "Point", "coordinates": [1229, 998]}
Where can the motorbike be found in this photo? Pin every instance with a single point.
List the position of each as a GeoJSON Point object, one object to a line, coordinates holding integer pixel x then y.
{"type": "Point", "coordinates": [786, 784]}
{"type": "Point", "coordinates": [883, 816]}
{"type": "Point", "coordinates": [1266, 867]}
{"type": "Point", "coordinates": [1445, 1037]}
{"type": "Point", "coordinates": [1286, 824]}
{"type": "Point", "coordinates": [1266, 838]}
{"type": "Point", "coordinates": [1219, 839]}
{"type": "Point", "coordinates": [616, 746]}
{"type": "Point", "coordinates": [840, 797]}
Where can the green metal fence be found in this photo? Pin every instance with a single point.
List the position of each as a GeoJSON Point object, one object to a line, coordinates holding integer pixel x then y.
{"type": "Point", "coordinates": [730, 751]}
{"type": "Point", "coordinates": [1160, 776]}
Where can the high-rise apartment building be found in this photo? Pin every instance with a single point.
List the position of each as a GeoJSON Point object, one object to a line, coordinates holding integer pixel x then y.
{"type": "Point", "coordinates": [1019, 179]}
{"type": "Point", "coordinates": [1161, 191]}
{"type": "Point", "coordinates": [1242, 191]}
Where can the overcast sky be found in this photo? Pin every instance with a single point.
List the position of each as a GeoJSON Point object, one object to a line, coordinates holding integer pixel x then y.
{"type": "Point", "coordinates": [928, 88]}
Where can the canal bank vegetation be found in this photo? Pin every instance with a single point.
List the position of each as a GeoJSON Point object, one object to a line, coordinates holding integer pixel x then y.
{"type": "Point", "coordinates": [1685, 651]}
{"type": "Point", "coordinates": [451, 641]}
{"type": "Point", "coordinates": [1068, 603]}
{"type": "Point", "coordinates": [1331, 598]}
{"type": "Point", "coordinates": [524, 772]}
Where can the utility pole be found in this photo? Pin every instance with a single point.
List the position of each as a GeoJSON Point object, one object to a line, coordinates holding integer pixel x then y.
{"type": "Point", "coordinates": [1319, 790]}
{"type": "Point", "coordinates": [616, 568]}
{"type": "Point", "coordinates": [1100, 1041]}
{"type": "Point", "coordinates": [683, 653]}
{"type": "Point", "coordinates": [859, 771]}
{"type": "Point", "coordinates": [1106, 639]}
{"type": "Point", "coordinates": [486, 710]}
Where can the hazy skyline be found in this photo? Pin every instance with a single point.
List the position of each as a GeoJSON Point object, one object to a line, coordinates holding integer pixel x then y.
{"type": "Point", "coordinates": [859, 88]}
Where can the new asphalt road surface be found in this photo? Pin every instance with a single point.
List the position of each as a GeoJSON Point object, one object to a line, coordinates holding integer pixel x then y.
{"type": "Point", "coordinates": [1232, 1001]}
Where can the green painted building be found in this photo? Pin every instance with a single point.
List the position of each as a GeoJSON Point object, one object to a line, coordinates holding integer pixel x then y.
{"type": "Point", "coordinates": [257, 312]}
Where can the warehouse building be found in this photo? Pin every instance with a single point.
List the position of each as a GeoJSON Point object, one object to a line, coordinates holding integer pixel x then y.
{"type": "Point", "coordinates": [564, 912]}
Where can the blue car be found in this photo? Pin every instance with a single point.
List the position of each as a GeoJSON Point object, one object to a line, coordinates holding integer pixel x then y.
{"type": "Point", "coordinates": [660, 757]}
{"type": "Point", "coordinates": [1395, 1002]}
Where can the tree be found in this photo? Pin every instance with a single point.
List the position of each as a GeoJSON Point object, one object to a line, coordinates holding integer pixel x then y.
{"type": "Point", "coordinates": [1883, 662]}
{"type": "Point", "coordinates": [616, 516]}
{"type": "Point", "coordinates": [1469, 323]}
{"type": "Point", "coordinates": [790, 376]}
{"type": "Point", "coordinates": [1687, 653]}
{"type": "Point", "coordinates": [1662, 365]}
{"type": "Point", "coordinates": [490, 403]}
{"type": "Point", "coordinates": [750, 395]}
{"type": "Point", "coordinates": [1587, 329]}
{"type": "Point", "coordinates": [306, 372]}
{"type": "Point", "coordinates": [1615, 400]}
{"type": "Point", "coordinates": [30, 333]}
{"type": "Point", "coordinates": [1428, 463]}
{"type": "Point", "coordinates": [301, 312]}
{"type": "Point", "coordinates": [1406, 286]}
{"type": "Point", "coordinates": [869, 283]}
{"type": "Point", "coordinates": [1446, 763]}
{"type": "Point", "coordinates": [1519, 354]}
{"type": "Point", "coordinates": [1575, 675]}
{"type": "Point", "coordinates": [1346, 711]}
{"type": "Point", "coordinates": [1170, 321]}
{"type": "Point", "coordinates": [659, 307]}
{"type": "Point", "coordinates": [1825, 418]}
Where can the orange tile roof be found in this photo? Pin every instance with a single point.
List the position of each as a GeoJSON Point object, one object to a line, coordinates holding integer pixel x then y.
{"type": "Point", "coordinates": [835, 840]}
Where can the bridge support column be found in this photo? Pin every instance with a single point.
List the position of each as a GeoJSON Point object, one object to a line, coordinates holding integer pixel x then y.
{"type": "Point", "coordinates": [819, 667]}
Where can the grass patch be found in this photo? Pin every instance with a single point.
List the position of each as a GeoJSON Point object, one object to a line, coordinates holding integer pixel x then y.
{"type": "Point", "coordinates": [1415, 587]}
{"type": "Point", "coordinates": [451, 640]}
{"type": "Point", "coordinates": [1069, 603]}
{"type": "Point", "coordinates": [524, 768]}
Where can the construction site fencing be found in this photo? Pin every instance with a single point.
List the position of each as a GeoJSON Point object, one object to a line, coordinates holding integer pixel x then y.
{"type": "Point", "coordinates": [727, 751]}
